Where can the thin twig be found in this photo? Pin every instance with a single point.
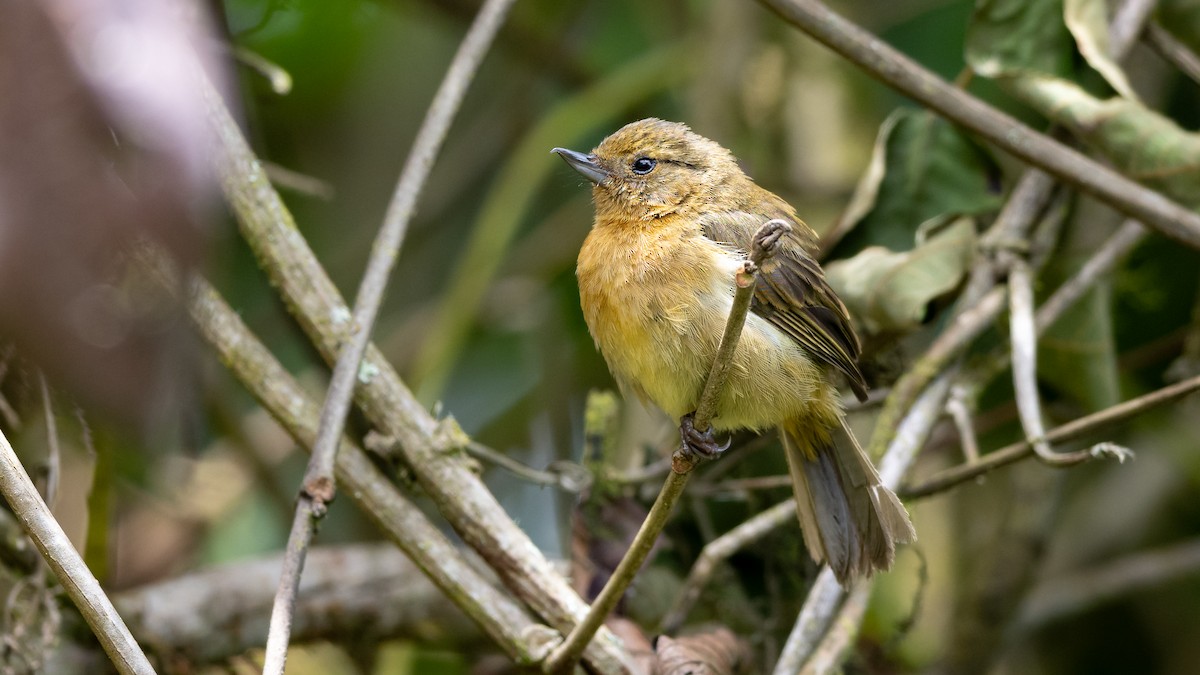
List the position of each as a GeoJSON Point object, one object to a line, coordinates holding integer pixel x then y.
{"type": "Point", "coordinates": [222, 611]}
{"type": "Point", "coordinates": [277, 75]}
{"type": "Point", "coordinates": [10, 415]}
{"type": "Point", "coordinates": [655, 469]}
{"type": "Point", "coordinates": [68, 566]}
{"type": "Point", "coordinates": [721, 549]}
{"type": "Point", "coordinates": [1129, 19]}
{"type": "Point", "coordinates": [970, 322]}
{"type": "Point", "coordinates": [815, 616]}
{"type": "Point", "coordinates": [1071, 430]}
{"type": "Point", "coordinates": [290, 179]}
{"type": "Point", "coordinates": [734, 485]}
{"type": "Point", "coordinates": [1023, 337]}
{"type": "Point", "coordinates": [1112, 251]}
{"type": "Point", "coordinates": [902, 73]}
{"type": "Point", "coordinates": [962, 422]}
{"type": "Point", "coordinates": [682, 462]}
{"type": "Point", "coordinates": [319, 482]}
{"type": "Point", "coordinates": [567, 476]}
{"type": "Point", "coordinates": [53, 450]}
{"type": "Point", "coordinates": [1173, 51]}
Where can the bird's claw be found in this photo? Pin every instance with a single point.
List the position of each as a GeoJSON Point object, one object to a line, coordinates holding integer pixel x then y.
{"type": "Point", "coordinates": [700, 443]}
{"type": "Point", "coordinates": [767, 238]}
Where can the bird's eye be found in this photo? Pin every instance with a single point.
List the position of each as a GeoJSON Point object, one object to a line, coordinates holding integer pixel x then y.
{"type": "Point", "coordinates": [643, 165]}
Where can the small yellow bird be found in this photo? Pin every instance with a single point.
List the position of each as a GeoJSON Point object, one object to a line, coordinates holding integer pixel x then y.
{"type": "Point", "coordinates": [675, 217]}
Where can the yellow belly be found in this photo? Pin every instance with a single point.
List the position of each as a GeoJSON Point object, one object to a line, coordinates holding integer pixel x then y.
{"type": "Point", "coordinates": [656, 304]}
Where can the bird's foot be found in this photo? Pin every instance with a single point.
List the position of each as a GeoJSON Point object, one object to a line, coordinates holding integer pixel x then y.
{"type": "Point", "coordinates": [766, 240]}
{"type": "Point", "coordinates": [700, 443]}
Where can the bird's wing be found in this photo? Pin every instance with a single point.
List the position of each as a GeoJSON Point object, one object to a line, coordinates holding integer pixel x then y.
{"type": "Point", "coordinates": [792, 292]}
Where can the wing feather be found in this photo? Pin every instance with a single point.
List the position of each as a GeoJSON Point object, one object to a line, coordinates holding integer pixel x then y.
{"type": "Point", "coordinates": [792, 292]}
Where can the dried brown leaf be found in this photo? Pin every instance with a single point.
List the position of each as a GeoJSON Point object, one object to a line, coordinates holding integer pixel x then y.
{"type": "Point", "coordinates": [714, 652]}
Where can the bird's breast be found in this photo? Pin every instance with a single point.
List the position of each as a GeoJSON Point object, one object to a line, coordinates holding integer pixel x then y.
{"type": "Point", "coordinates": [656, 302]}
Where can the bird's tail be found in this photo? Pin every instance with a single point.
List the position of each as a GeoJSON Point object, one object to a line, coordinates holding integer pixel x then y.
{"type": "Point", "coordinates": [848, 517]}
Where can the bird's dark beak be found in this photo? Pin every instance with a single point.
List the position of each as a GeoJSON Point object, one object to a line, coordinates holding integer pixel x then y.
{"type": "Point", "coordinates": [584, 164]}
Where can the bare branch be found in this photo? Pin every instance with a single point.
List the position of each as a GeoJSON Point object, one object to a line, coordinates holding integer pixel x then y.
{"type": "Point", "coordinates": [819, 608]}
{"type": "Point", "coordinates": [53, 451]}
{"type": "Point", "coordinates": [1173, 51]}
{"type": "Point", "coordinates": [11, 418]}
{"type": "Point", "coordinates": [839, 640]}
{"type": "Point", "coordinates": [721, 549]}
{"type": "Point", "coordinates": [1112, 251]}
{"type": "Point", "coordinates": [902, 73]}
{"type": "Point", "coordinates": [68, 566]}
{"type": "Point", "coordinates": [958, 411]}
{"type": "Point", "coordinates": [564, 475]}
{"type": "Point", "coordinates": [276, 75]}
{"type": "Point", "coordinates": [1018, 451]}
{"type": "Point", "coordinates": [363, 590]}
{"type": "Point", "coordinates": [736, 485]}
{"type": "Point", "coordinates": [974, 316]}
{"type": "Point", "coordinates": [1024, 354]}
{"type": "Point", "coordinates": [1128, 21]}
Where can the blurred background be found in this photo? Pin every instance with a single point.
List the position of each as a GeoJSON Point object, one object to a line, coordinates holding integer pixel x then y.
{"type": "Point", "coordinates": [482, 319]}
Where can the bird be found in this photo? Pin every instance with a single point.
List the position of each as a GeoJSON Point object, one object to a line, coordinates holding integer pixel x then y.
{"type": "Point", "coordinates": [675, 219]}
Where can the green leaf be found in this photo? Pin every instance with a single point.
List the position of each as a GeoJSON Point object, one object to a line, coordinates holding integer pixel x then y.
{"type": "Point", "coordinates": [922, 168]}
{"type": "Point", "coordinates": [1088, 22]}
{"type": "Point", "coordinates": [888, 291]}
{"type": "Point", "coordinates": [1140, 142]}
{"type": "Point", "coordinates": [1010, 37]}
{"type": "Point", "coordinates": [1022, 43]}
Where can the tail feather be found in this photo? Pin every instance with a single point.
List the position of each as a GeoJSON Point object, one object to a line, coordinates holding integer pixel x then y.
{"type": "Point", "coordinates": [848, 518]}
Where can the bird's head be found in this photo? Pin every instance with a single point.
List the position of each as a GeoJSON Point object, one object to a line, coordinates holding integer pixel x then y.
{"type": "Point", "coordinates": [652, 168]}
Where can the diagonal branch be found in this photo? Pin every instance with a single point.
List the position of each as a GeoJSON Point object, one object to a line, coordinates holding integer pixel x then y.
{"type": "Point", "coordinates": [1173, 51]}
{"type": "Point", "coordinates": [81, 586]}
{"type": "Point", "coordinates": [1023, 337]}
{"type": "Point", "coordinates": [349, 592]}
{"type": "Point", "coordinates": [1018, 451]}
{"type": "Point", "coordinates": [905, 75]}
{"type": "Point", "coordinates": [721, 549]}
